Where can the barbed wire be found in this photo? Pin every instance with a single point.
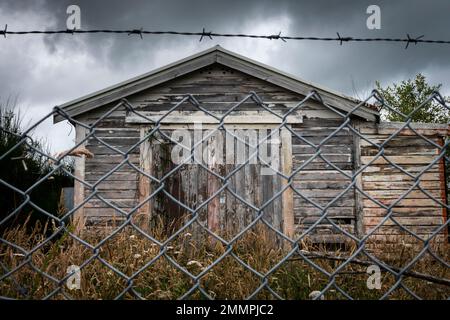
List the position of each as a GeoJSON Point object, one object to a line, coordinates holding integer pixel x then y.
{"type": "Point", "coordinates": [210, 34]}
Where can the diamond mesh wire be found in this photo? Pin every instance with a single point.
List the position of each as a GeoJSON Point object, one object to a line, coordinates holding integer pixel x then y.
{"type": "Point", "coordinates": [292, 245]}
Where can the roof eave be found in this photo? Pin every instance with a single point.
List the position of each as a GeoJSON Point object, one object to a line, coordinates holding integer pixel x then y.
{"type": "Point", "coordinates": [194, 62]}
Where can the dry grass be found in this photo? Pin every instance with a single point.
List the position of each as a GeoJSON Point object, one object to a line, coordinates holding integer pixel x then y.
{"type": "Point", "coordinates": [129, 251]}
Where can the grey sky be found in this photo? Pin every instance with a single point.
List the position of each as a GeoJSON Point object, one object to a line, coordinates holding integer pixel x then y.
{"type": "Point", "coordinates": [49, 70]}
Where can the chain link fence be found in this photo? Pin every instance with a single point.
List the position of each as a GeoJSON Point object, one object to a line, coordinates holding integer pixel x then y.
{"type": "Point", "coordinates": [170, 243]}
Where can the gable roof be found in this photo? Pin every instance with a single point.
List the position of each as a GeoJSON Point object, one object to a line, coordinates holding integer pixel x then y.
{"type": "Point", "coordinates": [219, 55]}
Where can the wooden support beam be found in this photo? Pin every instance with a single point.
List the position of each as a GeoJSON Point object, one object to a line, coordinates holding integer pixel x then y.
{"type": "Point", "coordinates": [78, 218]}
{"type": "Point", "coordinates": [359, 204]}
{"type": "Point", "coordinates": [443, 183]}
{"type": "Point", "coordinates": [288, 194]}
{"type": "Point", "coordinates": [144, 191]}
{"type": "Point", "coordinates": [190, 117]}
{"type": "Point", "coordinates": [213, 186]}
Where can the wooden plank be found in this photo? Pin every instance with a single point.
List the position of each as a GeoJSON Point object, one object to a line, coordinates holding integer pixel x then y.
{"type": "Point", "coordinates": [322, 193]}
{"type": "Point", "coordinates": [395, 194]}
{"type": "Point", "coordinates": [213, 186]}
{"type": "Point", "coordinates": [341, 212]}
{"type": "Point", "coordinates": [398, 141]}
{"type": "Point", "coordinates": [101, 150]}
{"type": "Point", "coordinates": [103, 213]}
{"type": "Point", "coordinates": [300, 184]}
{"type": "Point", "coordinates": [345, 201]}
{"type": "Point", "coordinates": [401, 178]}
{"type": "Point", "coordinates": [403, 203]}
{"type": "Point", "coordinates": [331, 149]}
{"type": "Point", "coordinates": [113, 194]}
{"type": "Point", "coordinates": [121, 203]}
{"type": "Point", "coordinates": [444, 188]}
{"type": "Point", "coordinates": [399, 160]}
{"type": "Point", "coordinates": [406, 221]}
{"type": "Point", "coordinates": [400, 185]}
{"type": "Point", "coordinates": [335, 140]}
{"type": "Point", "coordinates": [276, 150]}
{"type": "Point", "coordinates": [359, 205]}
{"type": "Point", "coordinates": [117, 132]}
{"type": "Point", "coordinates": [231, 218]}
{"type": "Point", "coordinates": [79, 172]}
{"type": "Point", "coordinates": [403, 211]}
{"type": "Point", "coordinates": [287, 196]}
{"type": "Point", "coordinates": [419, 230]}
{"type": "Point", "coordinates": [410, 150]}
{"type": "Point", "coordinates": [248, 192]}
{"type": "Point", "coordinates": [237, 117]}
{"type": "Point", "coordinates": [322, 175]}
{"type": "Point", "coordinates": [427, 129]}
{"type": "Point", "coordinates": [114, 184]}
{"type": "Point", "coordinates": [322, 165]}
{"type": "Point", "coordinates": [144, 186]}
{"type": "Point", "coordinates": [391, 242]}
{"type": "Point", "coordinates": [112, 159]}
{"type": "Point", "coordinates": [116, 177]}
{"type": "Point", "coordinates": [383, 169]}
{"type": "Point", "coordinates": [333, 158]}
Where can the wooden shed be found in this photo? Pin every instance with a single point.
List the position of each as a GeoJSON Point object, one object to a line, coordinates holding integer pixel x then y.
{"type": "Point", "coordinates": [176, 96]}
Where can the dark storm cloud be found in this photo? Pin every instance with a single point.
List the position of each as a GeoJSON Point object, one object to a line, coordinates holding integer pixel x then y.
{"type": "Point", "coordinates": [364, 61]}
{"type": "Point", "coordinates": [48, 70]}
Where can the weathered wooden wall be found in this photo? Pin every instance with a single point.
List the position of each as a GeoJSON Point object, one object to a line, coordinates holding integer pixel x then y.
{"type": "Point", "coordinates": [321, 182]}
{"type": "Point", "coordinates": [218, 88]}
{"type": "Point", "coordinates": [193, 184]}
{"type": "Point", "coordinates": [384, 182]}
{"type": "Point", "coordinates": [121, 187]}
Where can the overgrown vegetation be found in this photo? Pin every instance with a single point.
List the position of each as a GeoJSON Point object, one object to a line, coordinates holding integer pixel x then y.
{"type": "Point", "coordinates": [23, 168]}
{"type": "Point", "coordinates": [130, 252]}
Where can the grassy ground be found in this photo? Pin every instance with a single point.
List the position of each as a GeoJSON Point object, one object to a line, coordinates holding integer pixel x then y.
{"type": "Point", "coordinates": [129, 251]}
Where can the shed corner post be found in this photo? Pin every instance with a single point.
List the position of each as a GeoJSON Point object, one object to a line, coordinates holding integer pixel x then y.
{"type": "Point", "coordinates": [288, 195]}
{"type": "Point", "coordinates": [359, 206]}
{"type": "Point", "coordinates": [444, 192]}
{"type": "Point", "coordinates": [79, 219]}
{"type": "Point", "coordinates": [144, 182]}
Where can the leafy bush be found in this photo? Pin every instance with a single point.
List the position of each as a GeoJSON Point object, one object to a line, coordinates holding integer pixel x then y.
{"type": "Point", "coordinates": [24, 163]}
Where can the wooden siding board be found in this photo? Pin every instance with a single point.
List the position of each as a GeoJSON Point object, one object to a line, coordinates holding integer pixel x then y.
{"type": "Point", "coordinates": [80, 174]}
{"type": "Point", "coordinates": [387, 184]}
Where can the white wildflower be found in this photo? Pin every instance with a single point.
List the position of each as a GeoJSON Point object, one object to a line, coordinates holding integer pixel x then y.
{"type": "Point", "coordinates": [132, 237]}
{"type": "Point", "coordinates": [315, 294]}
{"type": "Point", "coordinates": [137, 256]}
{"type": "Point", "coordinates": [193, 262]}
